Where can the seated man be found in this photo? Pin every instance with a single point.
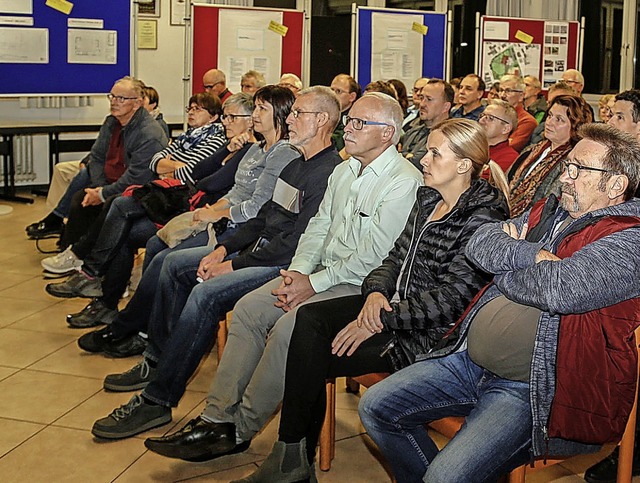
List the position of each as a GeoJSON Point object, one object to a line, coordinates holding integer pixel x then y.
{"type": "Point", "coordinates": [184, 315]}
{"type": "Point", "coordinates": [291, 82]}
{"type": "Point", "coordinates": [437, 99]}
{"type": "Point", "coordinates": [364, 210]}
{"type": "Point", "coordinates": [119, 157]}
{"type": "Point", "coordinates": [499, 119]}
{"type": "Point", "coordinates": [348, 92]}
{"type": "Point", "coordinates": [214, 81]}
{"type": "Point", "coordinates": [512, 91]}
{"type": "Point", "coordinates": [251, 81]}
{"type": "Point", "coordinates": [470, 97]}
{"type": "Point", "coordinates": [520, 363]}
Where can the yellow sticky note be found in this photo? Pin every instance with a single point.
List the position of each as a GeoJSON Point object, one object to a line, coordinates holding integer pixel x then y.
{"type": "Point", "coordinates": [418, 27]}
{"type": "Point", "coordinates": [60, 5]}
{"type": "Point", "coordinates": [526, 38]}
{"type": "Point", "coordinates": [278, 28]}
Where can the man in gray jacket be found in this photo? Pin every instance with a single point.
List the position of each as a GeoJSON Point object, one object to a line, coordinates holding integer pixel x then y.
{"type": "Point", "coordinates": [120, 157]}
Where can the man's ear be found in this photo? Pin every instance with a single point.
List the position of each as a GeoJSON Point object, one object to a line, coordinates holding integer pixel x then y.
{"type": "Point", "coordinates": [617, 185]}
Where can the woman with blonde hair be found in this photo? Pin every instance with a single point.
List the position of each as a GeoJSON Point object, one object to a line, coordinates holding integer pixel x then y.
{"type": "Point", "coordinates": [407, 304]}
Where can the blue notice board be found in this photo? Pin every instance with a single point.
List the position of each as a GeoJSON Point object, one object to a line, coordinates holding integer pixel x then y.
{"type": "Point", "coordinates": [433, 43]}
{"type": "Point", "coordinates": [58, 76]}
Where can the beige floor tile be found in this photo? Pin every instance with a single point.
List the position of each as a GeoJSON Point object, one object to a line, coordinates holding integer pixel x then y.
{"type": "Point", "coordinates": [68, 455]}
{"type": "Point", "coordinates": [201, 380]}
{"type": "Point", "coordinates": [12, 310]}
{"type": "Point", "coordinates": [7, 371]}
{"type": "Point", "coordinates": [30, 289]}
{"type": "Point", "coordinates": [42, 397]}
{"type": "Point", "coordinates": [346, 466]}
{"type": "Point", "coordinates": [226, 475]}
{"type": "Point", "coordinates": [74, 361]}
{"type": "Point", "coordinates": [53, 317]}
{"type": "Point", "coordinates": [15, 432]}
{"type": "Point", "coordinates": [25, 263]}
{"type": "Point", "coordinates": [20, 348]}
{"type": "Point", "coordinates": [10, 280]}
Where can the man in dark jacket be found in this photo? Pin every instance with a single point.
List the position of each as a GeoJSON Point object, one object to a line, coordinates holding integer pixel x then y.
{"type": "Point", "coordinates": [197, 286]}
{"type": "Point", "coordinates": [120, 157]}
{"type": "Point", "coordinates": [561, 307]}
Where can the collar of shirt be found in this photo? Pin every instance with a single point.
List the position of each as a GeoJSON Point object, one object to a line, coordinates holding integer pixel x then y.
{"type": "Point", "coordinates": [378, 165]}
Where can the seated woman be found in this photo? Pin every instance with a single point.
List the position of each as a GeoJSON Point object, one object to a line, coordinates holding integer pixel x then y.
{"type": "Point", "coordinates": [151, 103]}
{"type": "Point", "coordinates": [408, 303]}
{"type": "Point", "coordinates": [535, 174]}
{"type": "Point", "coordinates": [254, 183]}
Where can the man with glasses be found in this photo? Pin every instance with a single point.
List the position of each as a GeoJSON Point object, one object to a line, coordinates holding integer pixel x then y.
{"type": "Point", "coordinates": [437, 99]}
{"type": "Point", "coordinates": [544, 361]}
{"type": "Point", "coordinates": [499, 119]}
{"type": "Point", "coordinates": [534, 101]}
{"type": "Point", "coordinates": [215, 82]}
{"type": "Point", "coordinates": [470, 95]}
{"type": "Point", "coordinates": [348, 91]}
{"type": "Point", "coordinates": [512, 91]}
{"type": "Point", "coordinates": [363, 211]}
{"type": "Point", "coordinates": [414, 109]}
{"type": "Point", "coordinates": [575, 79]}
{"type": "Point", "coordinates": [119, 157]}
{"type": "Point", "coordinates": [198, 286]}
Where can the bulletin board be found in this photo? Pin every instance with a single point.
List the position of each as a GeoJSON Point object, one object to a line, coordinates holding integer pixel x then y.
{"type": "Point", "coordinates": [238, 39]}
{"type": "Point", "coordinates": [77, 47]}
{"type": "Point", "coordinates": [541, 48]}
{"type": "Point", "coordinates": [400, 44]}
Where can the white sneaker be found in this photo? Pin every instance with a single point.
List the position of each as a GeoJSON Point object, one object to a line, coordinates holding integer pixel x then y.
{"type": "Point", "coordinates": [62, 262]}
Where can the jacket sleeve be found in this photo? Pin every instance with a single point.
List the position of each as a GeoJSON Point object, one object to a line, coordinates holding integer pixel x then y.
{"type": "Point", "coordinates": [384, 278]}
{"type": "Point", "coordinates": [214, 177]}
{"type": "Point", "coordinates": [281, 248]}
{"type": "Point", "coordinates": [446, 300]}
{"type": "Point", "coordinates": [277, 159]}
{"type": "Point", "coordinates": [144, 145]}
{"type": "Point", "coordinates": [496, 252]}
{"type": "Point", "coordinates": [521, 135]}
{"type": "Point", "coordinates": [600, 274]}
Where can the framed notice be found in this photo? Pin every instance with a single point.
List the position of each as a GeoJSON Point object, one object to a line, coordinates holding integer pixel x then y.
{"type": "Point", "coordinates": [178, 12]}
{"type": "Point", "coordinates": [148, 34]}
{"type": "Point", "coordinates": [149, 8]}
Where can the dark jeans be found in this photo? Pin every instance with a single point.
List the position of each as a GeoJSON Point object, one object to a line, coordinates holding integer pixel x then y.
{"type": "Point", "coordinates": [310, 363]}
{"type": "Point", "coordinates": [135, 317]}
{"type": "Point", "coordinates": [185, 316]}
{"type": "Point", "coordinates": [124, 229]}
{"type": "Point", "coordinates": [80, 220]}
{"type": "Point", "coordinates": [78, 183]}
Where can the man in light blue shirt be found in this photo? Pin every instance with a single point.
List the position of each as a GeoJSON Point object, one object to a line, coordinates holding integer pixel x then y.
{"type": "Point", "coordinates": [363, 211]}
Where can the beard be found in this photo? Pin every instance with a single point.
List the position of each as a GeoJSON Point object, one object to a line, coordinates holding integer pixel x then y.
{"type": "Point", "coordinates": [570, 205]}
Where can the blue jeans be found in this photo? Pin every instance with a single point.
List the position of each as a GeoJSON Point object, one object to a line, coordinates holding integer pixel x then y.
{"type": "Point", "coordinates": [185, 317]}
{"type": "Point", "coordinates": [79, 182]}
{"type": "Point", "coordinates": [496, 435]}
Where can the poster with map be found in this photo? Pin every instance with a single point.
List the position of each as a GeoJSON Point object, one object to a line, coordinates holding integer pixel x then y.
{"type": "Point", "coordinates": [501, 58]}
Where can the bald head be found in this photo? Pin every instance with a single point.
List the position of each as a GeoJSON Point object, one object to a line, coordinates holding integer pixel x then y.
{"type": "Point", "coordinates": [214, 81]}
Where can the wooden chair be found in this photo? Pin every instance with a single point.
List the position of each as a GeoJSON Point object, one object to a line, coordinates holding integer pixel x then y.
{"type": "Point", "coordinates": [223, 333]}
{"type": "Point", "coordinates": [448, 427]}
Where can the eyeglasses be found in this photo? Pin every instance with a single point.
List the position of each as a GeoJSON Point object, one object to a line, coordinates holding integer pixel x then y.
{"type": "Point", "coordinates": [296, 112]}
{"type": "Point", "coordinates": [573, 169]}
{"type": "Point", "coordinates": [194, 108]}
{"type": "Point", "coordinates": [358, 123]}
{"type": "Point", "coordinates": [211, 86]}
{"type": "Point", "coordinates": [508, 91]}
{"type": "Point", "coordinates": [492, 118]}
{"type": "Point", "coordinates": [120, 99]}
{"type": "Point", "coordinates": [232, 117]}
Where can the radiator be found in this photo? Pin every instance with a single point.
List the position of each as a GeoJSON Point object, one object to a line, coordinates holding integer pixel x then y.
{"type": "Point", "coordinates": [23, 159]}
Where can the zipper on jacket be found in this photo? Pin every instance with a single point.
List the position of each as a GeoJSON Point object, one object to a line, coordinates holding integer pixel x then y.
{"type": "Point", "coordinates": [388, 346]}
{"type": "Point", "coordinates": [545, 434]}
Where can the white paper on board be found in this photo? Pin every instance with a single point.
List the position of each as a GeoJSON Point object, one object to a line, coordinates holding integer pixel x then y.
{"type": "Point", "coordinates": [85, 23]}
{"type": "Point", "coordinates": [10, 20]}
{"type": "Point", "coordinates": [24, 45]}
{"type": "Point", "coordinates": [17, 6]}
{"type": "Point", "coordinates": [92, 46]}
{"type": "Point", "coordinates": [494, 30]}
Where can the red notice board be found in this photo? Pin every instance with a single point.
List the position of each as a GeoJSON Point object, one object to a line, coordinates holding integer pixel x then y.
{"type": "Point", "coordinates": [237, 39]}
{"type": "Point", "coordinates": [542, 48]}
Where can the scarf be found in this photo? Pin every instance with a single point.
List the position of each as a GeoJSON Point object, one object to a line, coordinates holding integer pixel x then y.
{"type": "Point", "coordinates": [522, 189]}
{"type": "Point", "coordinates": [194, 136]}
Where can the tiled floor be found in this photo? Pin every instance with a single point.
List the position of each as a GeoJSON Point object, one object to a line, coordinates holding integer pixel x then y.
{"type": "Point", "coordinates": [51, 392]}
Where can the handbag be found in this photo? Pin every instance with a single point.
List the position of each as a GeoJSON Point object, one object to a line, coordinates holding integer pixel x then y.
{"type": "Point", "coordinates": [182, 227]}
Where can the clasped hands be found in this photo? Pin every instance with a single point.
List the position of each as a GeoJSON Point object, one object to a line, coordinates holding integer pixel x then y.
{"type": "Point", "coordinates": [512, 230]}
{"type": "Point", "coordinates": [213, 265]}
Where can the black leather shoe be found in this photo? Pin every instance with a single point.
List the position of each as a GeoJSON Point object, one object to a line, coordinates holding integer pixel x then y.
{"type": "Point", "coordinates": [49, 227]}
{"type": "Point", "coordinates": [199, 440]}
{"type": "Point", "coordinates": [606, 471]}
{"type": "Point", "coordinates": [130, 345]}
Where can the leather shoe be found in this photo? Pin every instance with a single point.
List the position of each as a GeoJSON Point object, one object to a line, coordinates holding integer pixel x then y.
{"type": "Point", "coordinates": [130, 345]}
{"type": "Point", "coordinates": [95, 313]}
{"type": "Point", "coordinates": [606, 471]}
{"type": "Point", "coordinates": [199, 440]}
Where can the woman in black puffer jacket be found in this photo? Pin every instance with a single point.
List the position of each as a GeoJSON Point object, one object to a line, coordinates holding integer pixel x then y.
{"type": "Point", "coordinates": [407, 303]}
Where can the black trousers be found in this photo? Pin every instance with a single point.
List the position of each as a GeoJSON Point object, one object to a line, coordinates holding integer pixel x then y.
{"type": "Point", "coordinates": [80, 220]}
{"type": "Point", "coordinates": [310, 363]}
